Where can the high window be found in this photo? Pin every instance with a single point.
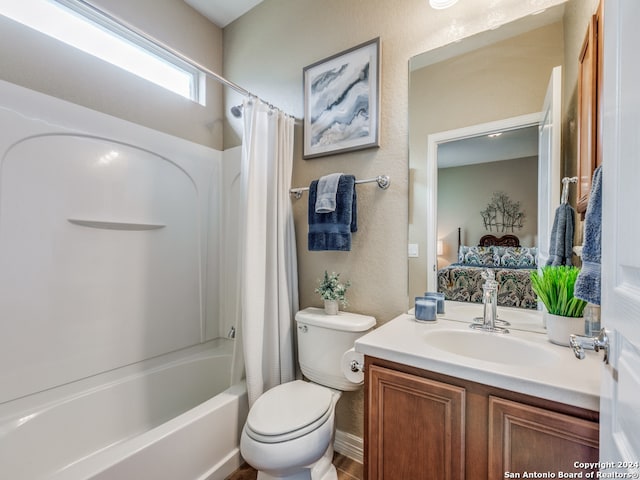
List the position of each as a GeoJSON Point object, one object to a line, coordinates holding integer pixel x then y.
{"type": "Point", "coordinates": [82, 26]}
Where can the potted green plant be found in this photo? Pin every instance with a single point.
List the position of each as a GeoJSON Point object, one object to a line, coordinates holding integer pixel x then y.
{"type": "Point", "coordinates": [554, 287]}
{"type": "Point", "coordinates": [333, 291]}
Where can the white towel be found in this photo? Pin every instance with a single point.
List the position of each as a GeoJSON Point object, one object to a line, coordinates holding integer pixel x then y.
{"type": "Point", "coordinates": [326, 193]}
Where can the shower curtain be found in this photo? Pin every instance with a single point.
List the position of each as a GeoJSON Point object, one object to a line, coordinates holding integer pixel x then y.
{"type": "Point", "coordinates": [269, 278]}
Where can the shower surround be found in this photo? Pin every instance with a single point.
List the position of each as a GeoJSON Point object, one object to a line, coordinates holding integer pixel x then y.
{"type": "Point", "coordinates": [111, 323]}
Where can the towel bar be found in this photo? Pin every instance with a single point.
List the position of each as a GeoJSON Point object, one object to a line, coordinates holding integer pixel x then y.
{"type": "Point", "coordinates": [383, 182]}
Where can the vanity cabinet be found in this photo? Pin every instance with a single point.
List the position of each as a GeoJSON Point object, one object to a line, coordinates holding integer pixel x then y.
{"type": "Point", "coordinates": [526, 438]}
{"type": "Point", "coordinates": [416, 427]}
{"type": "Point", "coordinates": [425, 425]}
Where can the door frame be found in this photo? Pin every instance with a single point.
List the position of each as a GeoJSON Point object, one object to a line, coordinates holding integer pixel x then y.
{"type": "Point", "coordinates": [435, 139]}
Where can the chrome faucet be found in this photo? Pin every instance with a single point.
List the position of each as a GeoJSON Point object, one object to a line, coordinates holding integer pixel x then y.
{"type": "Point", "coordinates": [490, 305]}
{"type": "Point", "coordinates": [579, 343]}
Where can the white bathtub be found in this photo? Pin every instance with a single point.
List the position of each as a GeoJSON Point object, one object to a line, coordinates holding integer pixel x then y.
{"type": "Point", "coordinates": [173, 417]}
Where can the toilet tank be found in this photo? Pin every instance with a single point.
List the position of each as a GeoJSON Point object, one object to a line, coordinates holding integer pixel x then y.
{"type": "Point", "coordinates": [323, 339]}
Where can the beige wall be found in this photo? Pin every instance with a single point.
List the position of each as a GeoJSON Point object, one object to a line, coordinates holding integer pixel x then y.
{"type": "Point", "coordinates": [41, 63]}
{"type": "Point", "coordinates": [517, 178]}
{"type": "Point", "coordinates": [266, 50]}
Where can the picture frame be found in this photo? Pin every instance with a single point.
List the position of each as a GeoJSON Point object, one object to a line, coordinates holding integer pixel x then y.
{"type": "Point", "coordinates": [341, 101]}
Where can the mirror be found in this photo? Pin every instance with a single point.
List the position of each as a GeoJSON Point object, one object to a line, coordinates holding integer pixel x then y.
{"type": "Point", "coordinates": [492, 83]}
{"type": "Point", "coordinates": [498, 171]}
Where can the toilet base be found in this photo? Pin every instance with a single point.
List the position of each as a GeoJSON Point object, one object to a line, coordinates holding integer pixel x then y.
{"type": "Point", "coordinates": [323, 469]}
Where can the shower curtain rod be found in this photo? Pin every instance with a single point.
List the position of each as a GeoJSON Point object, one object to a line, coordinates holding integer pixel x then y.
{"type": "Point", "coordinates": [209, 73]}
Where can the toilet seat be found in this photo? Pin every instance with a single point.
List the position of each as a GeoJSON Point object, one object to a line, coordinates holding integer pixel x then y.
{"type": "Point", "coordinates": [289, 411]}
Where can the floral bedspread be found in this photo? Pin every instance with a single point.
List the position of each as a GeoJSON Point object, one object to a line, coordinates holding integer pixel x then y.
{"type": "Point", "coordinates": [463, 283]}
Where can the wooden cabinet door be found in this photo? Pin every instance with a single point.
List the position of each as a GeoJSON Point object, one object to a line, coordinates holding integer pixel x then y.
{"type": "Point", "coordinates": [589, 108]}
{"type": "Point", "coordinates": [415, 427]}
{"type": "Point", "coordinates": [523, 438]}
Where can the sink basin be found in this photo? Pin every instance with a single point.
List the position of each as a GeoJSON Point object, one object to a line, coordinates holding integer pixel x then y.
{"type": "Point", "coordinates": [492, 347]}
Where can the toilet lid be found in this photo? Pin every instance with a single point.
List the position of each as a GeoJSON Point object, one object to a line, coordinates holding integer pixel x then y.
{"type": "Point", "coordinates": [289, 410]}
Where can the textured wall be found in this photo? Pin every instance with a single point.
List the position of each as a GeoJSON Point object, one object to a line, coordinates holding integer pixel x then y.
{"type": "Point", "coordinates": [266, 50]}
{"type": "Point", "coordinates": [517, 178]}
{"type": "Point", "coordinates": [41, 63]}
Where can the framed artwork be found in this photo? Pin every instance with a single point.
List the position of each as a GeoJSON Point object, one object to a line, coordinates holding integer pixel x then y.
{"type": "Point", "coordinates": [341, 101]}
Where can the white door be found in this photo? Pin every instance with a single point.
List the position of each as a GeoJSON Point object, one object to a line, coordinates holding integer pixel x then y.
{"type": "Point", "coordinates": [620, 396]}
{"type": "Point", "coordinates": [549, 137]}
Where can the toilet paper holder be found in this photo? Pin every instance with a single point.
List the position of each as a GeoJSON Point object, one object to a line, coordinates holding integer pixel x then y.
{"type": "Point", "coordinates": [356, 366]}
{"type": "Point", "coordinates": [352, 366]}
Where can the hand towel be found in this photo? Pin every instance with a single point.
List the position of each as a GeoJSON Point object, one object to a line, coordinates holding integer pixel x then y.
{"type": "Point", "coordinates": [587, 285]}
{"type": "Point", "coordinates": [561, 242]}
{"type": "Point", "coordinates": [332, 231]}
{"type": "Point", "coordinates": [326, 193]}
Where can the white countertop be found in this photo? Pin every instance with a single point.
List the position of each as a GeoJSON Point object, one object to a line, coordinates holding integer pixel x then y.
{"type": "Point", "coordinates": [565, 379]}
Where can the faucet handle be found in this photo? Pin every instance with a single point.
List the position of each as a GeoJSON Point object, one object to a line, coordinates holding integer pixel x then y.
{"type": "Point", "coordinates": [579, 342]}
{"type": "Point", "coordinates": [576, 346]}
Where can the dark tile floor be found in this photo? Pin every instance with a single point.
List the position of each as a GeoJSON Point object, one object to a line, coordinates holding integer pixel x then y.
{"type": "Point", "coordinates": [347, 470]}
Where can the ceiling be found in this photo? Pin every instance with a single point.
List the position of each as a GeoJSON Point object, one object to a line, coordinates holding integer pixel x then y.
{"type": "Point", "coordinates": [510, 145]}
{"type": "Point", "coordinates": [223, 12]}
{"type": "Point", "coordinates": [488, 37]}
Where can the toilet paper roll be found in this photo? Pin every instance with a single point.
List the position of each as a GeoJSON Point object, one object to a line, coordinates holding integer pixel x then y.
{"type": "Point", "coordinates": [348, 366]}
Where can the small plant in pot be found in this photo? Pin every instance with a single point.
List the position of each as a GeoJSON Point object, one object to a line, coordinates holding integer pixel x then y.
{"type": "Point", "coordinates": [333, 291]}
{"type": "Point", "coordinates": [554, 287]}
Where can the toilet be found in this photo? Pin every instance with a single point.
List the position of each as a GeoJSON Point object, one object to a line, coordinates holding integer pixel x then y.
{"type": "Point", "coordinates": [290, 429]}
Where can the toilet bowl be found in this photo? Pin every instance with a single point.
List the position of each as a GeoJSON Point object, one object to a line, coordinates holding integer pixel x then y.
{"type": "Point", "coordinates": [289, 432]}
{"type": "Point", "coordinates": [290, 429]}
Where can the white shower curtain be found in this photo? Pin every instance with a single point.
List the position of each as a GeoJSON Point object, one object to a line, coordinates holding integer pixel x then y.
{"type": "Point", "coordinates": [269, 278]}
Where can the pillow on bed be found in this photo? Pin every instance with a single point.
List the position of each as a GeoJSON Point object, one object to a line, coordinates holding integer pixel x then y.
{"type": "Point", "coordinates": [516, 257]}
{"type": "Point", "coordinates": [477, 256]}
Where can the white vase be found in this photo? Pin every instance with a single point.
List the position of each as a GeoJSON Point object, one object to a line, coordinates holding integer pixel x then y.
{"type": "Point", "coordinates": [331, 307]}
{"type": "Point", "coordinates": [559, 328]}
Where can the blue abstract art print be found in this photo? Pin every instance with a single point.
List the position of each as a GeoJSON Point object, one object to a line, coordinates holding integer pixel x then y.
{"type": "Point", "coordinates": [341, 96]}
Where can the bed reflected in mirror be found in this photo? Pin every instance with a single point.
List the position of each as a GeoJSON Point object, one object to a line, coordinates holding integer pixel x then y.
{"type": "Point", "coordinates": [510, 263]}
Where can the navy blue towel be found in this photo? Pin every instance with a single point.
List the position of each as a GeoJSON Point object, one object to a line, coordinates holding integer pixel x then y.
{"type": "Point", "coordinates": [561, 242]}
{"type": "Point", "coordinates": [587, 285]}
{"type": "Point", "coordinates": [332, 230]}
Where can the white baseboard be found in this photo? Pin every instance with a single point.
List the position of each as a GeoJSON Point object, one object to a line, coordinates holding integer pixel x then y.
{"type": "Point", "coordinates": [349, 445]}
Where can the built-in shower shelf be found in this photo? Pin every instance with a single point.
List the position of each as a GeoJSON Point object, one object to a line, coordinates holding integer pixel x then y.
{"type": "Point", "coordinates": [115, 225]}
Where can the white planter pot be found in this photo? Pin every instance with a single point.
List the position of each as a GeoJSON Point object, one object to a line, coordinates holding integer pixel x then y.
{"type": "Point", "coordinates": [331, 307]}
{"type": "Point", "coordinates": [559, 328]}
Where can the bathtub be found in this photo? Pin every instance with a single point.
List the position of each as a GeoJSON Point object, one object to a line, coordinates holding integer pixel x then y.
{"type": "Point", "coordinates": [173, 417]}
{"type": "Point", "coordinates": [113, 358]}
